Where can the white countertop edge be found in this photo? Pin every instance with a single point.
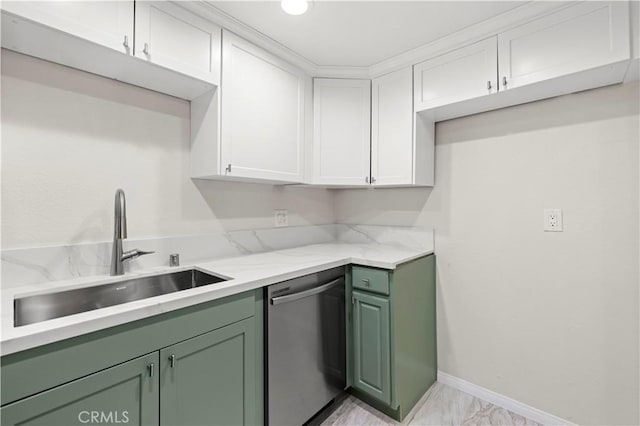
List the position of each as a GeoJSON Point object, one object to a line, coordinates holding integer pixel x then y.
{"type": "Point", "coordinates": [16, 339]}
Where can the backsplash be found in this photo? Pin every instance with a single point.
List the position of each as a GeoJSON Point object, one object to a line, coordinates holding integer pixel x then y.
{"type": "Point", "coordinates": [55, 263]}
{"type": "Point", "coordinates": [403, 236]}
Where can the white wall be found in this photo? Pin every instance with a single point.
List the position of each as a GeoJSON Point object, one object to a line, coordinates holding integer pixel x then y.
{"type": "Point", "coordinates": [549, 319]}
{"type": "Point", "coordinates": [70, 138]}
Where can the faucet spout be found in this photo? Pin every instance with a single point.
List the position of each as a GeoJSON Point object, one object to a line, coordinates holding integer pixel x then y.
{"type": "Point", "coordinates": [118, 256]}
{"type": "Point", "coordinates": [120, 216]}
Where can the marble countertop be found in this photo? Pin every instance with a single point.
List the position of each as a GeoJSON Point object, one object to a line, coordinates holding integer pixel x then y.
{"type": "Point", "coordinates": [244, 273]}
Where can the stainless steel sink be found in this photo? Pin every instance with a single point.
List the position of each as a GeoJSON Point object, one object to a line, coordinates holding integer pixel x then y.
{"type": "Point", "coordinates": [32, 309]}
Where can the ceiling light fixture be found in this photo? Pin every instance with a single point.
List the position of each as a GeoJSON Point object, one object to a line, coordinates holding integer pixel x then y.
{"type": "Point", "coordinates": [294, 7]}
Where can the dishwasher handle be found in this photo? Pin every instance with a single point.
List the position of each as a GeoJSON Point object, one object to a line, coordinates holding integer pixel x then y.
{"type": "Point", "coordinates": [301, 295]}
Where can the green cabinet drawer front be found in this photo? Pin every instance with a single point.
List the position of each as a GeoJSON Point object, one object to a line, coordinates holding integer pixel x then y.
{"type": "Point", "coordinates": [370, 279]}
{"type": "Point", "coordinates": [371, 346]}
{"type": "Point", "coordinates": [124, 394]}
{"type": "Point", "coordinates": [211, 380]}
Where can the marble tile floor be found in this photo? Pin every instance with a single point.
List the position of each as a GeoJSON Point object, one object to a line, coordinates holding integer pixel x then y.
{"type": "Point", "coordinates": [441, 405]}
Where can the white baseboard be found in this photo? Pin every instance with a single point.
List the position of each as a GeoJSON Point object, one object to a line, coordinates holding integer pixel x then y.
{"type": "Point", "coordinates": [501, 400]}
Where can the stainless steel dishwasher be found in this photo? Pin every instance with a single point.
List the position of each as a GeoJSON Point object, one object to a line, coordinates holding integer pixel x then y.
{"type": "Point", "coordinates": [305, 339]}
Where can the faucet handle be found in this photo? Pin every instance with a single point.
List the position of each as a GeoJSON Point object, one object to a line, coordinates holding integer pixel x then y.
{"type": "Point", "coordinates": [135, 253]}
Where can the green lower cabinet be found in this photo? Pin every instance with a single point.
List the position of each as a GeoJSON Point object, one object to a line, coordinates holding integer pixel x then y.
{"type": "Point", "coordinates": [371, 350]}
{"type": "Point", "coordinates": [203, 366]}
{"type": "Point", "coordinates": [124, 394]}
{"type": "Point", "coordinates": [210, 379]}
{"type": "Point", "coordinates": [391, 344]}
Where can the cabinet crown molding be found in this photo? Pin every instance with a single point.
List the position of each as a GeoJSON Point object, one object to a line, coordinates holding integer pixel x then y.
{"type": "Point", "coordinates": [471, 34]}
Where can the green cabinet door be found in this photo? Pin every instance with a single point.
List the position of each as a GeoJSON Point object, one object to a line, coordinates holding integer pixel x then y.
{"type": "Point", "coordinates": [371, 346]}
{"type": "Point", "coordinates": [210, 379]}
{"type": "Point", "coordinates": [124, 394]}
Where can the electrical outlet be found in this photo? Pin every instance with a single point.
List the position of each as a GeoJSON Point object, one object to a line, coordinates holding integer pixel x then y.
{"type": "Point", "coordinates": [553, 220]}
{"type": "Point", "coordinates": [281, 218]}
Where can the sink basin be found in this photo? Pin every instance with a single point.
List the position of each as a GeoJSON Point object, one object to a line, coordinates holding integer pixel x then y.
{"type": "Point", "coordinates": [32, 309]}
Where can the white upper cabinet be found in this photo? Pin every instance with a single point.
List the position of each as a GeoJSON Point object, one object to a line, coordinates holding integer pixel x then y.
{"type": "Point", "coordinates": [108, 23]}
{"type": "Point", "coordinates": [182, 56]}
{"type": "Point", "coordinates": [262, 114]}
{"type": "Point", "coordinates": [341, 131]}
{"type": "Point", "coordinates": [392, 129]}
{"type": "Point", "coordinates": [364, 133]}
{"type": "Point", "coordinates": [462, 74]}
{"type": "Point", "coordinates": [574, 39]}
{"type": "Point", "coordinates": [169, 36]}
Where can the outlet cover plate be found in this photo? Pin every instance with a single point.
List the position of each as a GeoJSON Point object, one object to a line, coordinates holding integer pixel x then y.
{"type": "Point", "coordinates": [553, 220]}
{"type": "Point", "coordinates": [281, 218]}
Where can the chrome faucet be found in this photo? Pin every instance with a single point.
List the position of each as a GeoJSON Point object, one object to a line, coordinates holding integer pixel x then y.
{"type": "Point", "coordinates": [118, 257]}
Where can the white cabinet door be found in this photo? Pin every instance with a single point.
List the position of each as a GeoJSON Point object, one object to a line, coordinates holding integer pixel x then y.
{"type": "Point", "coordinates": [392, 128]}
{"type": "Point", "coordinates": [108, 23]}
{"type": "Point", "coordinates": [262, 114]}
{"type": "Point", "coordinates": [169, 36]}
{"type": "Point", "coordinates": [341, 131]}
{"type": "Point", "coordinates": [462, 74]}
{"type": "Point", "coordinates": [573, 39]}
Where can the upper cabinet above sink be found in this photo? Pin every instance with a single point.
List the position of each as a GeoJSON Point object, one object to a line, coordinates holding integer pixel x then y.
{"type": "Point", "coordinates": [171, 37]}
{"type": "Point", "coordinates": [108, 24]}
{"type": "Point", "coordinates": [172, 51]}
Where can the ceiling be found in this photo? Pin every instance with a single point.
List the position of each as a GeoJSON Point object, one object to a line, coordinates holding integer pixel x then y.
{"type": "Point", "coordinates": [361, 33]}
